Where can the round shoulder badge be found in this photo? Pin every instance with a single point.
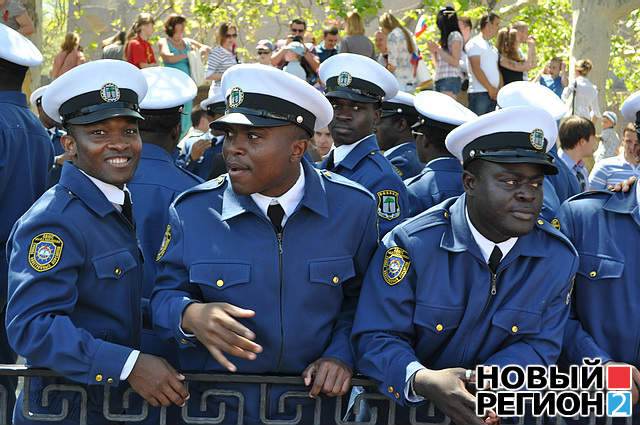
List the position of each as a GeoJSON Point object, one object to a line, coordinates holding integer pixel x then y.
{"type": "Point", "coordinates": [396, 265]}
{"type": "Point", "coordinates": [165, 243]}
{"type": "Point", "coordinates": [236, 97]}
{"type": "Point", "coordinates": [344, 79]}
{"type": "Point", "coordinates": [110, 93]}
{"type": "Point", "coordinates": [45, 251]}
{"type": "Point", "coordinates": [537, 139]}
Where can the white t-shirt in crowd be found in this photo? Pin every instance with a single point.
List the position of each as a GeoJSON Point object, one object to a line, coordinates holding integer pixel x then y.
{"type": "Point", "coordinates": [478, 46]}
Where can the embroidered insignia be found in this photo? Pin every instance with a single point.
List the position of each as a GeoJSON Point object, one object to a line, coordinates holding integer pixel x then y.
{"type": "Point", "coordinates": [396, 265]}
{"type": "Point", "coordinates": [110, 93]}
{"type": "Point", "coordinates": [555, 223]}
{"type": "Point", "coordinates": [45, 251]}
{"type": "Point", "coordinates": [397, 170]}
{"type": "Point", "coordinates": [344, 79]}
{"type": "Point", "coordinates": [537, 139]}
{"type": "Point", "coordinates": [388, 205]}
{"type": "Point", "coordinates": [236, 97]}
{"type": "Point", "coordinates": [165, 243]}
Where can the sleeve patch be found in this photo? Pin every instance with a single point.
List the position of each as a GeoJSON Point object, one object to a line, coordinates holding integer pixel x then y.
{"type": "Point", "coordinates": [165, 243]}
{"type": "Point", "coordinates": [388, 204]}
{"type": "Point", "coordinates": [45, 251]}
{"type": "Point", "coordinates": [396, 265]}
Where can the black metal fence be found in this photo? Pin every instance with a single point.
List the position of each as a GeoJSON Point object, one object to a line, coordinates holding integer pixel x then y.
{"type": "Point", "coordinates": [381, 409]}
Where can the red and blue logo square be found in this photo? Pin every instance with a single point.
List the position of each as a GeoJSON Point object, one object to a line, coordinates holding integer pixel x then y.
{"type": "Point", "coordinates": [618, 384]}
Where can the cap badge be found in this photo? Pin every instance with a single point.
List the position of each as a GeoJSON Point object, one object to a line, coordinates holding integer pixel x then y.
{"type": "Point", "coordinates": [537, 139]}
{"type": "Point", "coordinates": [344, 79]}
{"type": "Point", "coordinates": [236, 97]}
{"type": "Point", "coordinates": [110, 93]}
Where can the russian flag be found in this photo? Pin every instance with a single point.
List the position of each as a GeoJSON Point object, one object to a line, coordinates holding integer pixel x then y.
{"type": "Point", "coordinates": [421, 27]}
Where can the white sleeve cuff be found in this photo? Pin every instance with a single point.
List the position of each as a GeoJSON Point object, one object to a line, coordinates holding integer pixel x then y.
{"type": "Point", "coordinates": [186, 335]}
{"type": "Point", "coordinates": [129, 364]}
{"type": "Point", "coordinates": [412, 369]}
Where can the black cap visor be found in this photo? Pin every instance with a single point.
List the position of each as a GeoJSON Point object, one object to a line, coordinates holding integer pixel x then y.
{"type": "Point", "coordinates": [104, 114]}
{"type": "Point", "coordinates": [237, 118]}
{"type": "Point", "coordinates": [517, 156]}
{"type": "Point", "coordinates": [350, 95]}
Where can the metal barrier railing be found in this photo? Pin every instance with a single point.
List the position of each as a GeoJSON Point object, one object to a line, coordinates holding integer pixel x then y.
{"type": "Point", "coordinates": [382, 410]}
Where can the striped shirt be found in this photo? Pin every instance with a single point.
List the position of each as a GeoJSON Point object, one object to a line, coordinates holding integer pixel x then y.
{"type": "Point", "coordinates": [610, 171]}
{"type": "Point", "coordinates": [444, 69]}
{"type": "Point", "coordinates": [220, 59]}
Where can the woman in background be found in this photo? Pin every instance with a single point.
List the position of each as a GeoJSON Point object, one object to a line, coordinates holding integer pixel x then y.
{"type": "Point", "coordinates": [512, 65]}
{"type": "Point", "coordinates": [582, 95]}
{"type": "Point", "coordinates": [138, 50]}
{"type": "Point", "coordinates": [223, 55]}
{"type": "Point", "coordinates": [446, 55]}
{"type": "Point", "coordinates": [69, 57]}
{"type": "Point", "coordinates": [355, 41]}
{"type": "Point", "coordinates": [400, 48]}
{"type": "Point", "coordinates": [113, 47]}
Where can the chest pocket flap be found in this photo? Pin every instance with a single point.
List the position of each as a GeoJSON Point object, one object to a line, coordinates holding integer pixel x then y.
{"type": "Point", "coordinates": [331, 271]}
{"type": "Point", "coordinates": [438, 319]}
{"type": "Point", "coordinates": [220, 275]}
{"type": "Point", "coordinates": [517, 322]}
{"type": "Point", "coordinates": [595, 267]}
{"type": "Point", "coordinates": [114, 265]}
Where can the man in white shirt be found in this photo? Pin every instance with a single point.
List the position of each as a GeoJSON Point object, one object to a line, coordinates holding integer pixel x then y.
{"type": "Point", "coordinates": [484, 77]}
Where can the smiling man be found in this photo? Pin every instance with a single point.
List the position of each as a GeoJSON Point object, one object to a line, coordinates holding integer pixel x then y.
{"type": "Point", "coordinates": [75, 269]}
{"type": "Point", "coordinates": [237, 275]}
{"type": "Point", "coordinates": [478, 279]}
{"type": "Point", "coordinates": [356, 86]}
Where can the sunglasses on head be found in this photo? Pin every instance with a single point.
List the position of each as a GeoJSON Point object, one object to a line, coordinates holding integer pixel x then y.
{"type": "Point", "coordinates": [231, 36]}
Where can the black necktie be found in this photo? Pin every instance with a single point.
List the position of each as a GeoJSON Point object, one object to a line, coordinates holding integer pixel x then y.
{"type": "Point", "coordinates": [330, 164]}
{"type": "Point", "coordinates": [276, 214]}
{"type": "Point", "coordinates": [126, 207]}
{"type": "Point", "coordinates": [494, 259]}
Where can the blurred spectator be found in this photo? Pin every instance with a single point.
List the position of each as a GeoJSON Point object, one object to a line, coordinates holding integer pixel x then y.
{"type": "Point", "coordinates": [355, 40]}
{"type": "Point", "coordinates": [400, 49]}
{"type": "Point", "coordinates": [15, 16]}
{"type": "Point", "coordinates": [113, 47]}
{"type": "Point", "coordinates": [512, 65]}
{"type": "Point", "coordinates": [322, 141]}
{"type": "Point", "coordinates": [264, 49]}
{"type": "Point", "coordinates": [293, 54]}
{"type": "Point", "coordinates": [69, 57]}
{"type": "Point", "coordinates": [223, 56]}
{"type": "Point", "coordinates": [138, 50]}
{"type": "Point", "coordinates": [582, 95]}
{"type": "Point", "coordinates": [309, 39]}
{"type": "Point", "coordinates": [446, 55]}
{"type": "Point", "coordinates": [174, 51]}
{"type": "Point", "coordinates": [381, 46]}
{"type": "Point", "coordinates": [550, 76]}
{"type": "Point", "coordinates": [328, 47]}
{"type": "Point", "coordinates": [618, 168]}
{"type": "Point", "coordinates": [522, 36]}
{"type": "Point", "coordinates": [309, 62]}
{"type": "Point", "coordinates": [484, 76]}
{"type": "Point", "coordinates": [577, 137]}
{"type": "Point", "coordinates": [609, 140]}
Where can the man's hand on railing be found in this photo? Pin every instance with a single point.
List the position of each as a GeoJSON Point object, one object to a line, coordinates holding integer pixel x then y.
{"type": "Point", "coordinates": [215, 327]}
{"type": "Point", "coordinates": [330, 376]}
{"type": "Point", "coordinates": [157, 382]}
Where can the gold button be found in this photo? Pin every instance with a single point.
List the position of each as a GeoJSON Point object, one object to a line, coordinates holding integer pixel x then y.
{"type": "Point", "coordinates": [327, 173]}
{"type": "Point", "coordinates": [117, 271]}
{"type": "Point", "coordinates": [514, 329]}
{"type": "Point", "coordinates": [110, 380]}
{"type": "Point", "coordinates": [390, 389]}
{"type": "Point", "coordinates": [70, 193]}
{"type": "Point", "coordinates": [183, 341]}
{"type": "Point", "coordinates": [54, 166]}
{"type": "Point", "coordinates": [335, 279]}
{"type": "Point", "coordinates": [372, 153]}
{"type": "Point", "coordinates": [220, 282]}
{"type": "Point", "coordinates": [446, 214]}
{"type": "Point", "coordinates": [397, 395]}
{"type": "Point", "coordinates": [439, 327]}
{"type": "Point", "coordinates": [593, 274]}
{"type": "Point", "coordinates": [98, 377]}
{"type": "Point", "coordinates": [220, 179]}
{"type": "Point", "coordinates": [540, 222]}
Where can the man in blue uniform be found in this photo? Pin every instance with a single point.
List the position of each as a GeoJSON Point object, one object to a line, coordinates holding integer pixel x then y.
{"type": "Point", "coordinates": [356, 86]}
{"type": "Point", "coordinates": [75, 269]}
{"type": "Point", "coordinates": [394, 134]}
{"type": "Point", "coordinates": [460, 285]}
{"type": "Point", "coordinates": [55, 133]}
{"type": "Point", "coordinates": [236, 271]}
{"type": "Point", "coordinates": [442, 177]}
{"type": "Point", "coordinates": [605, 227]}
{"type": "Point", "coordinates": [156, 183]}
{"type": "Point", "coordinates": [26, 157]}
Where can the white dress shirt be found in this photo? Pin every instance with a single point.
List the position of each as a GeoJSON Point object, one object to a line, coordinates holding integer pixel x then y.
{"type": "Point", "coordinates": [115, 195]}
{"type": "Point", "coordinates": [486, 247]}
{"type": "Point", "coordinates": [341, 152]}
{"type": "Point", "coordinates": [288, 201]}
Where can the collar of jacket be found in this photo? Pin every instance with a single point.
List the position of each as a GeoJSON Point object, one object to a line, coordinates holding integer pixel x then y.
{"type": "Point", "coordinates": [365, 147]}
{"type": "Point", "coordinates": [79, 185]}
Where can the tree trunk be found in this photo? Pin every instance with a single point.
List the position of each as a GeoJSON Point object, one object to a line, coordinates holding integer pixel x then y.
{"type": "Point", "coordinates": [34, 10]}
{"type": "Point", "coordinates": [593, 25]}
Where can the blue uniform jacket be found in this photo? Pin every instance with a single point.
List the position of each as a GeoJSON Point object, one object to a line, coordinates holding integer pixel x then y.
{"type": "Point", "coordinates": [565, 182]}
{"type": "Point", "coordinates": [605, 229]}
{"type": "Point", "coordinates": [427, 298]}
{"type": "Point", "coordinates": [405, 159]}
{"type": "Point", "coordinates": [25, 157]}
{"type": "Point", "coordinates": [74, 288]}
{"type": "Point", "coordinates": [55, 170]}
{"type": "Point", "coordinates": [367, 166]}
{"type": "Point", "coordinates": [157, 182]}
{"type": "Point", "coordinates": [202, 166]}
{"type": "Point", "coordinates": [439, 180]}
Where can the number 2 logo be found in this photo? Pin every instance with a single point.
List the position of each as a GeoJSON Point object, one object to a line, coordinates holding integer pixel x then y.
{"type": "Point", "coordinates": [619, 403]}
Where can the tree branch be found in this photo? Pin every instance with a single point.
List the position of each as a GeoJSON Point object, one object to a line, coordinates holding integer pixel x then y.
{"type": "Point", "coordinates": [507, 12]}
